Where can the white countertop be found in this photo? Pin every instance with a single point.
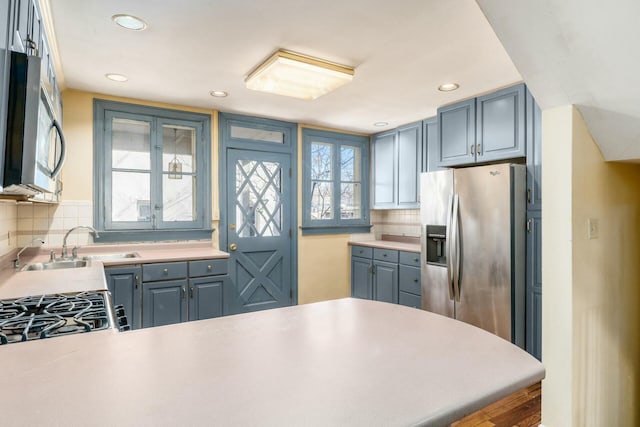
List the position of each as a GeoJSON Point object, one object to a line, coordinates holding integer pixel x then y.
{"type": "Point", "coordinates": [345, 362]}
{"type": "Point", "coordinates": [14, 284]}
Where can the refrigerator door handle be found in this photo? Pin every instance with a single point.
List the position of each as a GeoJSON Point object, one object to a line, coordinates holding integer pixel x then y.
{"type": "Point", "coordinates": [449, 246]}
{"type": "Point", "coordinates": [456, 247]}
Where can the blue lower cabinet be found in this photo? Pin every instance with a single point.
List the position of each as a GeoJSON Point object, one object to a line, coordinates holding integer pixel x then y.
{"type": "Point", "coordinates": [206, 298]}
{"type": "Point", "coordinates": [124, 285]}
{"type": "Point", "coordinates": [164, 303]}
{"type": "Point", "coordinates": [361, 277]}
{"type": "Point", "coordinates": [385, 281]}
{"type": "Point", "coordinates": [410, 300]}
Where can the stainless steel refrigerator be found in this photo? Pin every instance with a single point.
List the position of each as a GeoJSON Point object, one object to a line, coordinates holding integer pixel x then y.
{"type": "Point", "coordinates": [473, 246]}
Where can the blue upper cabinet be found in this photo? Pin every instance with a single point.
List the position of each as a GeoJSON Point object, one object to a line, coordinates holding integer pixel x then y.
{"type": "Point", "coordinates": [409, 164]}
{"type": "Point", "coordinates": [484, 129]}
{"type": "Point", "coordinates": [383, 149]}
{"type": "Point", "coordinates": [457, 134]}
{"type": "Point", "coordinates": [397, 161]}
{"type": "Point", "coordinates": [430, 145]}
{"type": "Point", "coordinates": [534, 154]}
{"type": "Point", "coordinates": [500, 128]}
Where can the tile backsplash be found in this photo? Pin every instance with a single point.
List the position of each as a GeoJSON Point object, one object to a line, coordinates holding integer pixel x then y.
{"type": "Point", "coordinates": [8, 226]}
{"type": "Point", "coordinates": [50, 222]}
{"type": "Point", "coordinates": [399, 222]}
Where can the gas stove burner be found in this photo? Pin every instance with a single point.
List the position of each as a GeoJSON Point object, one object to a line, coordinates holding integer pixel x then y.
{"type": "Point", "coordinates": [45, 316]}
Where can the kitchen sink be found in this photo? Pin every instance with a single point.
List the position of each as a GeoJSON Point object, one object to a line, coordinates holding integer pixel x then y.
{"type": "Point", "coordinates": [104, 257]}
{"type": "Point", "coordinates": [55, 265]}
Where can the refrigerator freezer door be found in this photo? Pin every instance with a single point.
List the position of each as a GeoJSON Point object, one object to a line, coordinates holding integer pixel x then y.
{"type": "Point", "coordinates": [436, 190]}
{"type": "Point", "coordinates": [484, 195]}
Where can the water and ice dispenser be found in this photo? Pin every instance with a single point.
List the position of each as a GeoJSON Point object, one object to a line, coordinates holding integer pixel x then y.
{"type": "Point", "coordinates": [436, 244]}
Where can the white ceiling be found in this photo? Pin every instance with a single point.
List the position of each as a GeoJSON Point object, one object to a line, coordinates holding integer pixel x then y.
{"type": "Point", "coordinates": [579, 52]}
{"type": "Point", "coordinates": [402, 50]}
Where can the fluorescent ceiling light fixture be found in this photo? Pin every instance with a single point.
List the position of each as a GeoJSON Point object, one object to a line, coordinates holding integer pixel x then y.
{"type": "Point", "coordinates": [448, 87]}
{"type": "Point", "coordinates": [218, 93]}
{"type": "Point", "coordinates": [299, 76]}
{"type": "Point", "coordinates": [381, 124]}
{"type": "Point", "coordinates": [129, 22]}
{"type": "Point", "coordinates": [117, 77]}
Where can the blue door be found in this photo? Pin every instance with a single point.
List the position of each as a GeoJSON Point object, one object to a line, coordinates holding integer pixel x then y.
{"type": "Point", "coordinates": [259, 229]}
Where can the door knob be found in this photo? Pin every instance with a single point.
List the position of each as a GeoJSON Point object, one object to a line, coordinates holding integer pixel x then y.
{"type": "Point", "coordinates": [233, 246]}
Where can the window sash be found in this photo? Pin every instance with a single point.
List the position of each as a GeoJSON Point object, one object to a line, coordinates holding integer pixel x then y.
{"type": "Point", "coordinates": [337, 142]}
{"type": "Point", "coordinates": [156, 173]}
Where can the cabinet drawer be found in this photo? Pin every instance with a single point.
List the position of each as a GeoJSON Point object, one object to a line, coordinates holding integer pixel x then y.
{"type": "Point", "coordinates": [164, 271]}
{"type": "Point", "coordinates": [207, 267]}
{"type": "Point", "coordinates": [388, 255]}
{"type": "Point", "coordinates": [410, 300]}
{"type": "Point", "coordinates": [410, 258]}
{"type": "Point", "coordinates": [362, 251]}
{"type": "Point", "coordinates": [410, 279]}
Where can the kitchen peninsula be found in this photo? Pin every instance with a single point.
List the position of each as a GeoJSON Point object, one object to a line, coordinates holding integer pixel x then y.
{"type": "Point", "coordinates": [342, 362]}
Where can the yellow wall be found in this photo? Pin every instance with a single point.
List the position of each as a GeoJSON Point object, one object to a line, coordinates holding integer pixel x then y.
{"type": "Point", "coordinates": [591, 321]}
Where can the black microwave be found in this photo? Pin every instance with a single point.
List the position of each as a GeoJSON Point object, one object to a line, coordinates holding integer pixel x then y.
{"type": "Point", "coordinates": [35, 146]}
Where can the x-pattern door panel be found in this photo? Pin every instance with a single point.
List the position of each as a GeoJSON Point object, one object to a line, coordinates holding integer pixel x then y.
{"type": "Point", "coordinates": [259, 228]}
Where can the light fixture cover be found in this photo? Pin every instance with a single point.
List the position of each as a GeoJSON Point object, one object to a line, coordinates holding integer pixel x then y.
{"type": "Point", "coordinates": [299, 76]}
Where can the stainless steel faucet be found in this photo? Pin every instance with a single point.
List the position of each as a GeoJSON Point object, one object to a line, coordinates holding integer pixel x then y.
{"type": "Point", "coordinates": [64, 241]}
{"type": "Point", "coordinates": [16, 262]}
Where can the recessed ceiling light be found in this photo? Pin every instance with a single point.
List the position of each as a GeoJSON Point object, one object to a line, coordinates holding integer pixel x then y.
{"type": "Point", "coordinates": [129, 22]}
{"type": "Point", "coordinates": [218, 93]}
{"type": "Point", "coordinates": [381, 124]}
{"type": "Point", "coordinates": [117, 77]}
{"type": "Point", "coordinates": [448, 87]}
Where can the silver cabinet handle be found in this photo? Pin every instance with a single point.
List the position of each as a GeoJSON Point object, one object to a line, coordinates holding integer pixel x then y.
{"type": "Point", "coordinates": [165, 271]}
{"type": "Point", "coordinates": [209, 267]}
{"type": "Point", "coordinates": [137, 281]}
{"type": "Point", "coordinates": [473, 149]}
{"type": "Point", "coordinates": [479, 149]}
{"type": "Point", "coordinates": [184, 293]}
{"type": "Point", "coordinates": [191, 292]}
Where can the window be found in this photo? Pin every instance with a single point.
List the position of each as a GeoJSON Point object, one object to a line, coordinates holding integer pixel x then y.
{"type": "Point", "coordinates": [335, 183]}
{"type": "Point", "coordinates": [151, 173]}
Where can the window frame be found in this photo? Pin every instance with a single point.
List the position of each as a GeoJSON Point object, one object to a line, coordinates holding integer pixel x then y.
{"type": "Point", "coordinates": [102, 151]}
{"type": "Point", "coordinates": [336, 225]}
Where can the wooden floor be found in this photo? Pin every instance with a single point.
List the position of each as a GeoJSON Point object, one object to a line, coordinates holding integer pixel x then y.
{"type": "Point", "coordinates": [522, 409]}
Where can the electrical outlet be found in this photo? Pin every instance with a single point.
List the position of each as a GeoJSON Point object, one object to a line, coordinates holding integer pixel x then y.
{"type": "Point", "coordinates": [593, 228]}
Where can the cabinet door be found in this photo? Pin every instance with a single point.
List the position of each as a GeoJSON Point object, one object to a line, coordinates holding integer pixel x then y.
{"type": "Point", "coordinates": [430, 145]}
{"type": "Point", "coordinates": [500, 125]}
{"type": "Point", "coordinates": [35, 30]}
{"type": "Point", "coordinates": [5, 37]}
{"type": "Point", "coordinates": [534, 285]}
{"type": "Point", "coordinates": [534, 324]}
{"type": "Point", "coordinates": [124, 285]}
{"type": "Point", "coordinates": [205, 297]}
{"type": "Point", "coordinates": [409, 164]}
{"type": "Point", "coordinates": [385, 281]}
{"type": "Point", "coordinates": [164, 303]}
{"type": "Point", "coordinates": [20, 28]}
{"type": "Point", "coordinates": [457, 134]}
{"type": "Point", "coordinates": [534, 154]}
{"type": "Point", "coordinates": [361, 272]}
{"type": "Point", "coordinates": [384, 174]}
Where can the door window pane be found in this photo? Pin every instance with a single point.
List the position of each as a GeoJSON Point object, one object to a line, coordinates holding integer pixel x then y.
{"type": "Point", "coordinates": [321, 200]}
{"type": "Point", "coordinates": [178, 149]}
{"type": "Point", "coordinates": [350, 163]}
{"type": "Point", "coordinates": [350, 201]}
{"type": "Point", "coordinates": [178, 198]}
{"type": "Point", "coordinates": [258, 198]}
{"type": "Point", "coordinates": [130, 144]}
{"type": "Point", "coordinates": [130, 196]}
{"type": "Point", "coordinates": [257, 134]}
